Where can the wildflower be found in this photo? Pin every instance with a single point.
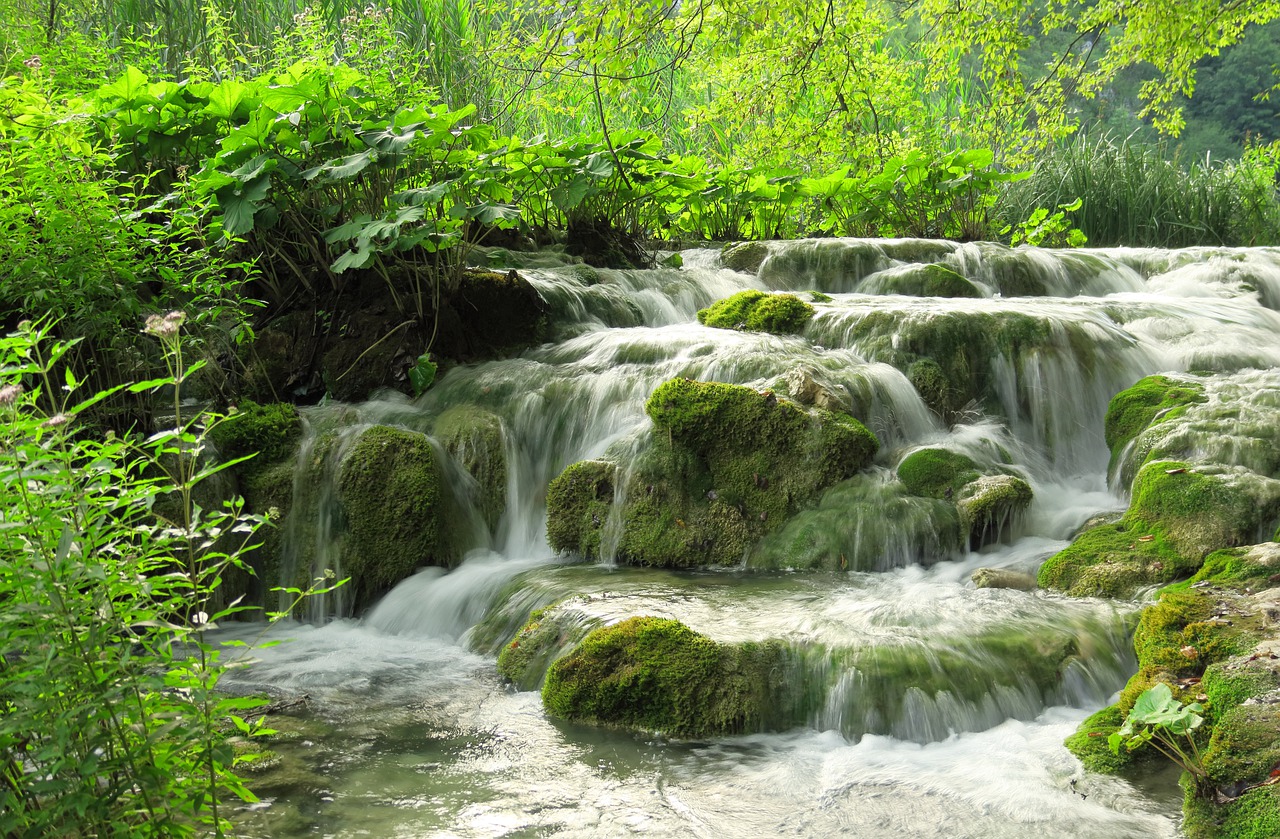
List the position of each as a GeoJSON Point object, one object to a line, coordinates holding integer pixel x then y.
{"type": "Point", "coordinates": [56, 420]}
{"type": "Point", "coordinates": [33, 63]}
{"type": "Point", "coordinates": [166, 326]}
{"type": "Point", "coordinates": [9, 394]}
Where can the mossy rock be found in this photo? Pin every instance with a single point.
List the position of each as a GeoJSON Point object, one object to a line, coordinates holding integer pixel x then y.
{"type": "Point", "coordinates": [935, 389]}
{"type": "Point", "coordinates": [474, 438]}
{"type": "Point", "coordinates": [656, 674]}
{"type": "Point", "coordinates": [1245, 745]}
{"type": "Point", "coordinates": [525, 659]}
{"type": "Point", "coordinates": [744, 256]}
{"type": "Point", "coordinates": [1199, 509]}
{"type": "Point", "coordinates": [394, 503]}
{"type": "Point", "coordinates": [937, 473]}
{"type": "Point", "coordinates": [1186, 631]}
{"type": "Point", "coordinates": [269, 491]}
{"type": "Point", "coordinates": [932, 280]}
{"type": "Point", "coordinates": [756, 311]}
{"type": "Point", "coordinates": [1232, 681]}
{"type": "Point", "coordinates": [578, 503]}
{"type": "Point", "coordinates": [269, 431]}
{"type": "Point", "coordinates": [1004, 578]}
{"type": "Point", "coordinates": [1249, 568]}
{"type": "Point", "coordinates": [1113, 560]}
{"type": "Point", "coordinates": [862, 524]}
{"type": "Point", "coordinates": [1254, 815]}
{"type": "Point", "coordinates": [1153, 399]}
{"type": "Point", "coordinates": [989, 507]}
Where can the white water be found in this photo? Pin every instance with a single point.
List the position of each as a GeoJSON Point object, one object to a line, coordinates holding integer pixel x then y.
{"type": "Point", "coordinates": [418, 738]}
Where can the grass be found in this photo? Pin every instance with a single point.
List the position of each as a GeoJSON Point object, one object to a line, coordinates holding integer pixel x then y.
{"type": "Point", "coordinates": [1134, 195]}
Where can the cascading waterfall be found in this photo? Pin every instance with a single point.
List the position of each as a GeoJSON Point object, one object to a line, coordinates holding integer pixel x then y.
{"type": "Point", "coordinates": [899, 650]}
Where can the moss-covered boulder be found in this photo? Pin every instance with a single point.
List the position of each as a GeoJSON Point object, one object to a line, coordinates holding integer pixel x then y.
{"type": "Point", "coordinates": [1114, 560]}
{"type": "Point", "coordinates": [726, 464]}
{"type": "Point", "coordinates": [744, 256]}
{"type": "Point", "coordinates": [656, 674]}
{"type": "Point", "coordinates": [269, 431]}
{"type": "Point", "coordinates": [395, 507]}
{"type": "Point", "coordinates": [1179, 514]}
{"type": "Point", "coordinates": [1254, 815]}
{"type": "Point", "coordinates": [1248, 568]}
{"type": "Point", "coordinates": [863, 524]}
{"type": "Point", "coordinates": [474, 438]}
{"type": "Point", "coordinates": [937, 473]}
{"type": "Point", "coordinates": [578, 503]}
{"type": "Point", "coordinates": [1151, 400]}
{"type": "Point", "coordinates": [1245, 745]}
{"type": "Point", "coordinates": [990, 505]}
{"type": "Point", "coordinates": [524, 661]}
{"type": "Point", "coordinates": [756, 311]}
{"type": "Point", "coordinates": [931, 280]}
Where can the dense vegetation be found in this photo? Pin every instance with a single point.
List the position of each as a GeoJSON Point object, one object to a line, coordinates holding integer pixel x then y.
{"type": "Point", "coordinates": [236, 159]}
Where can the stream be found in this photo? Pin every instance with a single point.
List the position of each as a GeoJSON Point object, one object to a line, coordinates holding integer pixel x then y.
{"type": "Point", "coordinates": [923, 714]}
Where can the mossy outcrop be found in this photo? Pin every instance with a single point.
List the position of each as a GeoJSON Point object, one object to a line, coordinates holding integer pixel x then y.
{"type": "Point", "coordinates": [726, 464]}
{"type": "Point", "coordinates": [1179, 514]}
{"type": "Point", "coordinates": [744, 256]}
{"type": "Point", "coordinates": [656, 674]}
{"type": "Point", "coordinates": [578, 503]}
{"type": "Point", "coordinates": [1150, 400]}
{"type": "Point", "coordinates": [474, 438]}
{"type": "Point", "coordinates": [756, 311]}
{"type": "Point", "coordinates": [987, 505]}
{"type": "Point", "coordinates": [269, 431]}
{"type": "Point", "coordinates": [394, 503]}
{"type": "Point", "coordinates": [931, 280]}
{"type": "Point", "coordinates": [524, 660]}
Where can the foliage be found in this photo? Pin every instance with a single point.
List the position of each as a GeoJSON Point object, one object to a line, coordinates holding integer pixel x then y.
{"type": "Point", "coordinates": [1050, 231]}
{"type": "Point", "coordinates": [111, 722]}
{"type": "Point", "coordinates": [1168, 725]}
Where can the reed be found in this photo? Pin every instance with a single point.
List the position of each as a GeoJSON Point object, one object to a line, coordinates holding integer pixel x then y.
{"type": "Point", "coordinates": [1141, 195]}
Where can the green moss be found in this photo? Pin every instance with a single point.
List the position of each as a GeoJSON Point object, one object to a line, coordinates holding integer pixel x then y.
{"type": "Point", "coordinates": [524, 661]}
{"type": "Point", "coordinates": [1155, 398]}
{"type": "Point", "coordinates": [1195, 512]}
{"type": "Point", "coordinates": [1114, 560]}
{"type": "Point", "coordinates": [390, 490]}
{"type": "Point", "coordinates": [1089, 743]}
{"type": "Point", "coordinates": [1183, 634]}
{"type": "Point", "coordinates": [756, 311]}
{"type": "Point", "coordinates": [936, 473]}
{"type": "Point", "coordinates": [268, 491]}
{"type": "Point", "coordinates": [989, 505]}
{"type": "Point", "coordinates": [578, 503]}
{"type": "Point", "coordinates": [655, 674]}
{"type": "Point", "coordinates": [931, 280]}
{"type": "Point", "coordinates": [929, 380]}
{"type": "Point", "coordinates": [271, 431]}
{"type": "Point", "coordinates": [746, 256]}
{"type": "Point", "coordinates": [1245, 745]}
{"type": "Point", "coordinates": [475, 439]}
{"type": "Point", "coordinates": [1254, 815]}
{"type": "Point", "coordinates": [1230, 682]}
{"type": "Point", "coordinates": [1253, 568]}
{"type": "Point", "coordinates": [819, 297]}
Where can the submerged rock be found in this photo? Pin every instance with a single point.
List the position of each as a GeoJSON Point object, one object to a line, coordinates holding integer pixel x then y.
{"type": "Point", "coordinates": [745, 256]}
{"type": "Point", "coordinates": [475, 439]}
{"type": "Point", "coordinates": [756, 311]}
{"type": "Point", "coordinates": [988, 505]}
{"type": "Point", "coordinates": [931, 280]}
{"type": "Point", "coordinates": [656, 674]}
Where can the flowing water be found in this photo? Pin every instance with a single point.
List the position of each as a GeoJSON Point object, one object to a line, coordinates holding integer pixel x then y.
{"type": "Point", "coordinates": [921, 706]}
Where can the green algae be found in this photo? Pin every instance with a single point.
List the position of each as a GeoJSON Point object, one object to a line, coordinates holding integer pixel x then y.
{"type": "Point", "coordinates": [475, 439]}
{"type": "Point", "coordinates": [745, 256]}
{"type": "Point", "coordinates": [930, 280]}
{"type": "Point", "coordinates": [578, 502]}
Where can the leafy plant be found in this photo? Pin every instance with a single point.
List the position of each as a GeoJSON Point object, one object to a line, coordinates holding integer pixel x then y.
{"type": "Point", "coordinates": [1168, 725]}
{"type": "Point", "coordinates": [110, 719]}
{"type": "Point", "coordinates": [1050, 231]}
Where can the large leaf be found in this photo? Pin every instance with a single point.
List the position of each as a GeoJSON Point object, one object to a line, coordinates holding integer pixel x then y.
{"type": "Point", "coordinates": [131, 87]}
{"type": "Point", "coordinates": [225, 99]}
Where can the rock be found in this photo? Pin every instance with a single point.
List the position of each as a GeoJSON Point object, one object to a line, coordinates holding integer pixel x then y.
{"type": "Point", "coordinates": [394, 503]}
{"type": "Point", "coordinates": [1004, 578]}
{"type": "Point", "coordinates": [803, 387]}
{"type": "Point", "coordinates": [475, 439]}
{"type": "Point", "coordinates": [726, 465]}
{"type": "Point", "coordinates": [655, 674]}
{"type": "Point", "coordinates": [931, 280]}
{"type": "Point", "coordinates": [756, 311]}
{"type": "Point", "coordinates": [744, 256]}
{"type": "Point", "coordinates": [989, 506]}
{"type": "Point", "coordinates": [937, 473]}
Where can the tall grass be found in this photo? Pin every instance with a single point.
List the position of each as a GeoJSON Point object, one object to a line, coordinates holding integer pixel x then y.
{"type": "Point", "coordinates": [1134, 195]}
